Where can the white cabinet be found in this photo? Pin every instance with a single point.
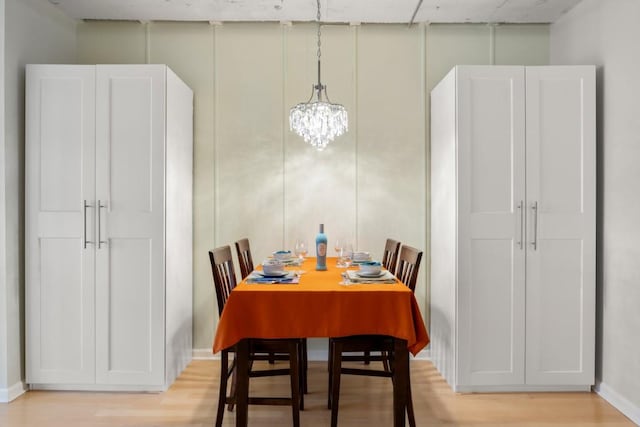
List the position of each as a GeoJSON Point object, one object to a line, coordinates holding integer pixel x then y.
{"type": "Point", "coordinates": [108, 226]}
{"type": "Point", "coordinates": [513, 228]}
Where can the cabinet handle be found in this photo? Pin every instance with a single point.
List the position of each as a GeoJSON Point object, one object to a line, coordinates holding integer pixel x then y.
{"type": "Point", "coordinates": [100, 241]}
{"type": "Point", "coordinates": [521, 209]}
{"type": "Point", "coordinates": [534, 208]}
{"type": "Point", "coordinates": [84, 225]}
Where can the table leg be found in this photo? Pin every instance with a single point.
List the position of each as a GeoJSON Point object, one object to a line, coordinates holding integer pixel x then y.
{"type": "Point", "coordinates": [400, 382]}
{"type": "Point", "coordinates": [242, 386]}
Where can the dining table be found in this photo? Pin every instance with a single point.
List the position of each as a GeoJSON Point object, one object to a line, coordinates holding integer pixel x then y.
{"type": "Point", "coordinates": [321, 304]}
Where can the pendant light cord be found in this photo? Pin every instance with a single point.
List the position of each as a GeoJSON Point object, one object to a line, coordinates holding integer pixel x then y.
{"type": "Point", "coordinates": [318, 19]}
{"type": "Point", "coordinates": [319, 86]}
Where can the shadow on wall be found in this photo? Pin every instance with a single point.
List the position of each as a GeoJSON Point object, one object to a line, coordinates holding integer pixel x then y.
{"type": "Point", "coordinates": [181, 346]}
{"type": "Point", "coordinates": [600, 153]}
{"type": "Point", "coordinates": [441, 345]}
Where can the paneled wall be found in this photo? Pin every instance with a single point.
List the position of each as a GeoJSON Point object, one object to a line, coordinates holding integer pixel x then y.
{"type": "Point", "coordinates": [254, 178]}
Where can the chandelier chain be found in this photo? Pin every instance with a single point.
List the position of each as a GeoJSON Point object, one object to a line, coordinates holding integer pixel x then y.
{"type": "Point", "coordinates": [321, 121]}
{"type": "Point", "coordinates": [318, 18]}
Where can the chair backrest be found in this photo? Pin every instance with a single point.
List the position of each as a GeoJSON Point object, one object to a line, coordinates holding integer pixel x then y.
{"type": "Point", "coordinates": [390, 254]}
{"type": "Point", "coordinates": [244, 257]}
{"type": "Point", "coordinates": [224, 276]}
{"type": "Point", "coordinates": [408, 266]}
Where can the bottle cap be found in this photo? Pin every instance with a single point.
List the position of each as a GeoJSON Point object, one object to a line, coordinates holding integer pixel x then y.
{"type": "Point", "coordinates": [322, 228]}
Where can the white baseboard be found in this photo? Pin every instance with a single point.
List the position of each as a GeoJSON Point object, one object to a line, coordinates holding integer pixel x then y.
{"type": "Point", "coordinates": [424, 355]}
{"type": "Point", "coordinates": [621, 403]}
{"type": "Point", "coordinates": [318, 355]}
{"type": "Point", "coordinates": [313, 355]}
{"type": "Point", "coordinates": [9, 394]}
{"type": "Point", "coordinates": [522, 388]}
{"type": "Point", "coordinates": [205, 354]}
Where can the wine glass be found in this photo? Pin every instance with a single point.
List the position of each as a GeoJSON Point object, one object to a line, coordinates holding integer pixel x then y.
{"type": "Point", "coordinates": [300, 249]}
{"type": "Point", "coordinates": [345, 255]}
{"type": "Point", "coordinates": [338, 245]}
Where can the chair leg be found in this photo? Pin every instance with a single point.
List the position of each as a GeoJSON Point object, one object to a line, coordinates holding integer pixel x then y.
{"type": "Point", "coordinates": [222, 396]}
{"type": "Point", "coordinates": [234, 382]}
{"type": "Point", "coordinates": [367, 354]}
{"type": "Point", "coordinates": [302, 372]}
{"type": "Point", "coordinates": [330, 369]}
{"type": "Point", "coordinates": [302, 375]}
{"type": "Point", "coordinates": [410, 414]}
{"type": "Point", "coordinates": [302, 358]}
{"type": "Point", "coordinates": [336, 364]}
{"type": "Point", "coordinates": [400, 378]}
{"type": "Point", "coordinates": [272, 361]}
{"type": "Point", "coordinates": [385, 361]}
{"type": "Point", "coordinates": [296, 396]}
{"type": "Point", "coordinates": [305, 365]}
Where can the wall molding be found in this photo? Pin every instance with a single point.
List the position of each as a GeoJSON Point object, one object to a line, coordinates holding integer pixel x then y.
{"type": "Point", "coordinates": [11, 393]}
{"type": "Point", "coordinates": [621, 403]}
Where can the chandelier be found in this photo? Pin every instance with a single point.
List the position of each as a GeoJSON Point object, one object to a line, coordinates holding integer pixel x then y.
{"type": "Point", "coordinates": [321, 121]}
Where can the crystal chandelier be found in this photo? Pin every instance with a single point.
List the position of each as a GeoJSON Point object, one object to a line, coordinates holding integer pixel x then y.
{"type": "Point", "coordinates": [320, 121]}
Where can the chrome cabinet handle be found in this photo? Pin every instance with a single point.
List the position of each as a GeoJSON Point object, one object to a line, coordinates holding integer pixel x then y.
{"type": "Point", "coordinates": [100, 241]}
{"type": "Point", "coordinates": [534, 208]}
{"type": "Point", "coordinates": [85, 205]}
{"type": "Point", "coordinates": [521, 209]}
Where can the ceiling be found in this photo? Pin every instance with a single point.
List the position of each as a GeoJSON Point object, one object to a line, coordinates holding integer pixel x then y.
{"type": "Point", "coordinates": [352, 11]}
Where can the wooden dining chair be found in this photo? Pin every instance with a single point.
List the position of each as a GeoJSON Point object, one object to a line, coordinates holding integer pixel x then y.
{"type": "Point", "coordinates": [245, 260]}
{"type": "Point", "coordinates": [390, 254]}
{"type": "Point", "coordinates": [224, 279]}
{"type": "Point", "coordinates": [408, 266]}
{"type": "Point", "coordinates": [244, 257]}
{"type": "Point", "coordinates": [407, 272]}
{"type": "Point", "coordinates": [389, 261]}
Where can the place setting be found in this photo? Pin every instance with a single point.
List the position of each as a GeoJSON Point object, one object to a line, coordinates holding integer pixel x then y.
{"type": "Point", "coordinates": [285, 257]}
{"type": "Point", "coordinates": [369, 271]}
{"type": "Point", "coordinates": [273, 272]}
{"type": "Point", "coordinates": [276, 268]}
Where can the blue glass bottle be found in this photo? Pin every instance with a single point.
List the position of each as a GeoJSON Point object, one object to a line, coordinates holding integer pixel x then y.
{"type": "Point", "coordinates": [321, 250]}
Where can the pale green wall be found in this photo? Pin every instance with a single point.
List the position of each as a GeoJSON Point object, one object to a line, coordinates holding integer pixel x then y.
{"type": "Point", "coordinates": [466, 44]}
{"type": "Point", "coordinates": [521, 45]}
{"type": "Point", "coordinates": [255, 179]}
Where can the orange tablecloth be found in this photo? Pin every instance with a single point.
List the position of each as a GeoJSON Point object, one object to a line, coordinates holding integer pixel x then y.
{"type": "Point", "coordinates": [319, 306]}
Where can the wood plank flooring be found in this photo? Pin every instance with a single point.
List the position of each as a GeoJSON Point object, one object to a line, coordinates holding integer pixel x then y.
{"type": "Point", "coordinates": [365, 401]}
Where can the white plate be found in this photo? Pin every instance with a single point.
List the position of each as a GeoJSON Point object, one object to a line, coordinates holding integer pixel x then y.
{"type": "Point", "coordinates": [273, 274]}
{"type": "Point", "coordinates": [367, 274]}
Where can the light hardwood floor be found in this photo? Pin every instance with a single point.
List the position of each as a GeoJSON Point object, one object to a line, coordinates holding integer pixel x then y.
{"type": "Point", "coordinates": [365, 401]}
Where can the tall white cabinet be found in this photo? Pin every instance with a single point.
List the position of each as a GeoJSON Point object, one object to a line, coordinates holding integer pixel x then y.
{"type": "Point", "coordinates": [513, 186]}
{"type": "Point", "coordinates": [108, 226]}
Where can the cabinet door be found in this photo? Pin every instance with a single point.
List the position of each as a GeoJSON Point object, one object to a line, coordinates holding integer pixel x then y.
{"type": "Point", "coordinates": [561, 232]}
{"type": "Point", "coordinates": [130, 138]}
{"type": "Point", "coordinates": [59, 264]}
{"type": "Point", "coordinates": [490, 102]}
